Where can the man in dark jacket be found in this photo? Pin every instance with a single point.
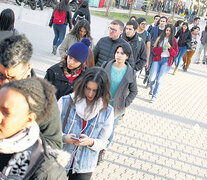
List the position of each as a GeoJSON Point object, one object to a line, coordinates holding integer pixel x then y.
{"type": "Point", "coordinates": [104, 49]}
{"type": "Point", "coordinates": [137, 45]}
{"type": "Point", "coordinates": [15, 55]}
{"type": "Point", "coordinates": [155, 32]}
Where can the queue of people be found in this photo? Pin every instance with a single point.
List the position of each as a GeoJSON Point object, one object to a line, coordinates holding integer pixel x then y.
{"type": "Point", "coordinates": [74, 111]}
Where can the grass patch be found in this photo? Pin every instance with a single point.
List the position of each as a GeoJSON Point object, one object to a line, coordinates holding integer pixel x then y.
{"type": "Point", "coordinates": [121, 16]}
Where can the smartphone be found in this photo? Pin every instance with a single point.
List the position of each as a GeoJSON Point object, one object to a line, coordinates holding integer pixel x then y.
{"type": "Point", "coordinates": [75, 138]}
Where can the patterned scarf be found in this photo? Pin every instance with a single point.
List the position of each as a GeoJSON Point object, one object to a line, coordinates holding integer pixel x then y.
{"type": "Point", "coordinates": [71, 76]}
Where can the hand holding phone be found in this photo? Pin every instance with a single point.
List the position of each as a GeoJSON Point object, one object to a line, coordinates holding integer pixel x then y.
{"type": "Point", "coordinates": [75, 138]}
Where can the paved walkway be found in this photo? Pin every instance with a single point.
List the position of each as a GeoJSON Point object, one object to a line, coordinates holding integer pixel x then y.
{"type": "Point", "coordinates": [163, 140]}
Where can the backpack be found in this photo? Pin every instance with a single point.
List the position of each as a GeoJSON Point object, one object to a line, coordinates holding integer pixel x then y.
{"type": "Point", "coordinates": [79, 17]}
{"type": "Point", "coordinates": [59, 17]}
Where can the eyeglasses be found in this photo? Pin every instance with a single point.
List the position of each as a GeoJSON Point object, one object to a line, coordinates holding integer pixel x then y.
{"type": "Point", "coordinates": [114, 30]}
{"type": "Point", "coordinates": [3, 76]}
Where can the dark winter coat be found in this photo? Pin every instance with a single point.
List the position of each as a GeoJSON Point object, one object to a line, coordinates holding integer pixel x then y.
{"type": "Point", "coordinates": [43, 164]}
{"type": "Point", "coordinates": [82, 11]}
{"type": "Point", "coordinates": [105, 50]}
{"type": "Point", "coordinates": [67, 19]}
{"type": "Point", "coordinates": [154, 34]}
{"type": "Point", "coordinates": [56, 76]}
{"type": "Point", "coordinates": [126, 91]}
{"type": "Point", "coordinates": [51, 128]}
{"type": "Point", "coordinates": [185, 38]}
{"type": "Point", "coordinates": [139, 51]}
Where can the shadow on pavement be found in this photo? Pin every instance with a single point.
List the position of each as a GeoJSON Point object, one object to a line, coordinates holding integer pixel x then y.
{"type": "Point", "coordinates": [167, 115]}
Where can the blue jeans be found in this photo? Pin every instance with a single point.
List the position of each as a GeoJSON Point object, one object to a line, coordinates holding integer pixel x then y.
{"type": "Point", "coordinates": [181, 53]}
{"type": "Point", "coordinates": [59, 31]}
{"type": "Point", "coordinates": [114, 126]}
{"type": "Point", "coordinates": [158, 71]}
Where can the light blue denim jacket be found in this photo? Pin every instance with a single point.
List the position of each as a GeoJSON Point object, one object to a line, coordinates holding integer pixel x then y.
{"type": "Point", "coordinates": [99, 128]}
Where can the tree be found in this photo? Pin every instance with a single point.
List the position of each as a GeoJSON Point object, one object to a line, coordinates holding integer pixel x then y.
{"type": "Point", "coordinates": [108, 6]}
{"type": "Point", "coordinates": [132, 4]}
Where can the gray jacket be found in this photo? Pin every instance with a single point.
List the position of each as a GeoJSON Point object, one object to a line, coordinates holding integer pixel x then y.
{"type": "Point", "coordinates": [104, 50]}
{"type": "Point", "coordinates": [126, 91]}
{"type": "Point", "coordinates": [69, 41]}
{"type": "Point", "coordinates": [6, 34]}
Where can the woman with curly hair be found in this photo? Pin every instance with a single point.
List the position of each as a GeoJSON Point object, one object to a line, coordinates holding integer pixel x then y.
{"type": "Point", "coordinates": [87, 120]}
{"type": "Point", "coordinates": [23, 150]}
{"type": "Point", "coordinates": [61, 16]}
{"type": "Point", "coordinates": [81, 30]}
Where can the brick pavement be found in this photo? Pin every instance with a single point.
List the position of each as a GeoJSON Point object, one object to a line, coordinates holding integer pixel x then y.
{"type": "Point", "coordinates": [160, 140]}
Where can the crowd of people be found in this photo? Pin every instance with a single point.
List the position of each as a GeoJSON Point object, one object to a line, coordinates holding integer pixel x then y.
{"type": "Point", "coordinates": [61, 126]}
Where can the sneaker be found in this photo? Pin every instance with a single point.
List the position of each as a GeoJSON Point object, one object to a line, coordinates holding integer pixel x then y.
{"type": "Point", "coordinates": [152, 100]}
{"type": "Point", "coordinates": [151, 92]}
{"type": "Point", "coordinates": [101, 156]}
{"type": "Point", "coordinates": [197, 62]}
{"type": "Point", "coordinates": [204, 62]}
{"type": "Point", "coordinates": [54, 50]}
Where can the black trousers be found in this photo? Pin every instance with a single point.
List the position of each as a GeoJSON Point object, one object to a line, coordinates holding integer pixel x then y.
{"type": "Point", "coordinates": [79, 176]}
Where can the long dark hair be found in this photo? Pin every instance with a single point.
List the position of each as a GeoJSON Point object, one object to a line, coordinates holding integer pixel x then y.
{"type": "Point", "coordinates": [163, 35]}
{"type": "Point", "coordinates": [76, 30]}
{"type": "Point", "coordinates": [99, 76]}
{"type": "Point", "coordinates": [177, 24]}
{"type": "Point", "coordinates": [7, 19]}
{"type": "Point", "coordinates": [63, 6]}
{"type": "Point", "coordinates": [186, 24]}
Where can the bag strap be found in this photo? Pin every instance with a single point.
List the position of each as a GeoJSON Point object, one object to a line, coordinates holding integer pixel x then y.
{"type": "Point", "coordinates": [67, 114]}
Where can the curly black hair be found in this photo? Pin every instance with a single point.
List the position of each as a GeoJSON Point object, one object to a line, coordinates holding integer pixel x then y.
{"type": "Point", "coordinates": [14, 50]}
{"type": "Point", "coordinates": [39, 94]}
{"type": "Point", "coordinates": [76, 30]}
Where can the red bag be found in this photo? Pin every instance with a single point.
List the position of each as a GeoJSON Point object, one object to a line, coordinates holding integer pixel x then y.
{"type": "Point", "coordinates": [59, 17]}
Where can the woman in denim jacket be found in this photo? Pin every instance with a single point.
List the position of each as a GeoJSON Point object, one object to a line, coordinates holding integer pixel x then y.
{"type": "Point", "coordinates": [89, 123]}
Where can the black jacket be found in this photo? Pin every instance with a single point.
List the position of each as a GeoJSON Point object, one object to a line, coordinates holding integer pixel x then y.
{"type": "Point", "coordinates": [126, 91]}
{"type": "Point", "coordinates": [104, 50]}
{"type": "Point", "coordinates": [139, 51]}
{"type": "Point", "coordinates": [184, 38]}
{"type": "Point", "coordinates": [67, 19]}
{"type": "Point", "coordinates": [56, 76]}
{"type": "Point", "coordinates": [82, 11]}
{"type": "Point", "coordinates": [42, 164]}
{"type": "Point", "coordinates": [51, 127]}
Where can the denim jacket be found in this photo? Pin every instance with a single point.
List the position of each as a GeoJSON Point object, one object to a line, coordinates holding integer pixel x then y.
{"type": "Point", "coordinates": [99, 128]}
